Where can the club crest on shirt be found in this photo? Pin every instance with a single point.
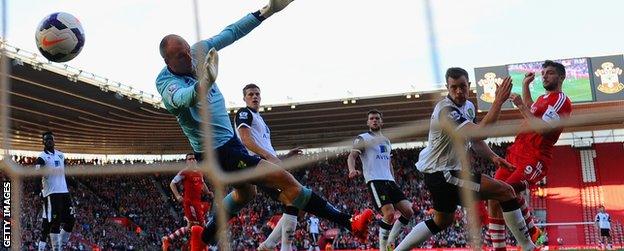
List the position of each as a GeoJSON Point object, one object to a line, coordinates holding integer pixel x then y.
{"type": "Point", "coordinates": [528, 169]}
{"type": "Point", "coordinates": [471, 113]}
{"type": "Point", "coordinates": [454, 115]}
{"type": "Point", "coordinates": [172, 88]}
{"type": "Point", "coordinates": [241, 164]}
{"type": "Point", "coordinates": [358, 142]}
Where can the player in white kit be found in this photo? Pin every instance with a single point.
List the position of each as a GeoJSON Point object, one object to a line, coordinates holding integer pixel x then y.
{"type": "Point", "coordinates": [58, 205]}
{"type": "Point", "coordinates": [314, 228]}
{"type": "Point", "coordinates": [441, 166]}
{"type": "Point", "coordinates": [256, 137]}
{"type": "Point", "coordinates": [374, 149]}
{"type": "Point", "coordinates": [603, 223]}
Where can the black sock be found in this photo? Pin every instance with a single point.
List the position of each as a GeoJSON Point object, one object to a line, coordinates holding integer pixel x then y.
{"type": "Point", "coordinates": [291, 210]}
{"type": "Point", "coordinates": [319, 207]}
{"type": "Point", "coordinates": [510, 205]}
{"type": "Point", "coordinates": [404, 220]}
{"type": "Point", "coordinates": [45, 225]}
{"type": "Point", "coordinates": [432, 226]}
{"type": "Point", "coordinates": [384, 225]}
{"type": "Point", "coordinates": [69, 224]}
{"type": "Point", "coordinates": [208, 234]}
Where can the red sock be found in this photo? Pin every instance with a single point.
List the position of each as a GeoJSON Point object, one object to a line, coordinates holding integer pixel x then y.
{"type": "Point", "coordinates": [181, 231]}
{"type": "Point", "coordinates": [496, 230]}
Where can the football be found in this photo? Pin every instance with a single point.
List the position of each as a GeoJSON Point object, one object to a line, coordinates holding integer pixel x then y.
{"type": "Point", "coordinates": [60, 37]}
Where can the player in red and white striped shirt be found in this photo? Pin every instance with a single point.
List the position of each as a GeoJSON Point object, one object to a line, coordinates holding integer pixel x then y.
{"type": "Point", "coordinates": [531, 152]}
{"type": "Point", "coordinates": [194, 208]}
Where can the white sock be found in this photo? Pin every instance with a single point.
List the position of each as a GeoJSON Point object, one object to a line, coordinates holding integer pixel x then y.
{"type": "Point", "coordinates": [396, 228]}
{"type": "Point", "coordinates": [41, 246]}
{"type": "Point", "coordinates": [419, 234]}
{"type": "Point", "coordinates": [289, 225]}
{"type": "Point", "coordinates": [383, 238]}
{"type": "Point", "coordinates": [64, 237]}
{"type": "Point", "coordinates": [55, 240]}
{"type": "Point", "coordinates": [274, 237]}
{"type": "Point", "coordinates": [516, 224]}
{"type": "Point", "coordinates": [383, 235]}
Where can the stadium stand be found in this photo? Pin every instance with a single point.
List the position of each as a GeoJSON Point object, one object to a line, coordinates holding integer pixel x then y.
{"type": "Point", "coordinates": [112, 208]}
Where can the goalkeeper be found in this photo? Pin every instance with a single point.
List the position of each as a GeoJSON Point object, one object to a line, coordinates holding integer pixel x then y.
{"type": "Point", "coordinates": [191, 71]}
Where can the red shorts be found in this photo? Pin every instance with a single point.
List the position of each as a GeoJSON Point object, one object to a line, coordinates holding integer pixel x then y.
{"type": "Point", "coordinates": [195, 210]}
{"type": "Point", "coordinates": [528, 170]}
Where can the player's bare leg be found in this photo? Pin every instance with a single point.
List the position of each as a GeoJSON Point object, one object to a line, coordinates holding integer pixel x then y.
{"type": "Point", "coordinates": [405, 208]}
{"type": "Point", "coordinates": [511, 212]}
{"type": "Point", "coordinates": [385, 225]}
{"type": "Point", "coordinates": [292, 193]}
{"type": "Point", "coordinates": [489, 189]}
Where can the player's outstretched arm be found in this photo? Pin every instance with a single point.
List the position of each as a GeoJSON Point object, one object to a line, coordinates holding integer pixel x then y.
{"type": "Point", "coordinates": [482, 149]}
{"type": "Point", "coordinates": [239, 29]}
{"type": "Point", "coordinates": [502, 94]}
{"type": "Point", "coordinates": [518, 101]}
{"type": "Point", "coordinates": [526, 91]}
{"type": "Point", "coordinates": [294, 152]}
{"type": "Point", "coordinates": [249, 142]}
{"type": "Point", "coordinates": [205, 49]}
{"type": "Point", "coordinates": [526, 114]}
{"type": "Point", "coordinates": [207, 73]}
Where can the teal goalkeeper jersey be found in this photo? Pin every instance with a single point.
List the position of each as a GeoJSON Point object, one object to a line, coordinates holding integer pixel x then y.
{"type": "Point", "coordinates": [180, 98]}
